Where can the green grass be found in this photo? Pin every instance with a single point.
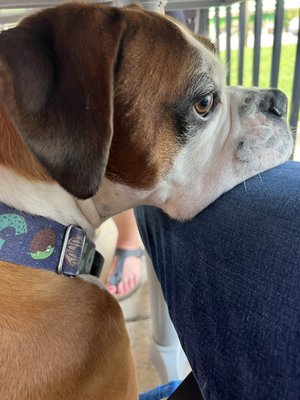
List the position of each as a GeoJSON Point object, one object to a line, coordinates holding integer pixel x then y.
{"type": "Point", "coordinates": [286, 69]}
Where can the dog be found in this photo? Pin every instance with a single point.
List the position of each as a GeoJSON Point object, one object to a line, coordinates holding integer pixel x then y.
{"type": "Point", "coordinates": [104, 109]}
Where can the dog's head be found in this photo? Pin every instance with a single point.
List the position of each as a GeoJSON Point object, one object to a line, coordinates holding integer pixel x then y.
{"type": "Point", "coordinates": [130, 107]}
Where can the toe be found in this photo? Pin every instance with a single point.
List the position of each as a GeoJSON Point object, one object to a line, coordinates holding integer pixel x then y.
{"type": "Point", "coordinates": [111, 288]}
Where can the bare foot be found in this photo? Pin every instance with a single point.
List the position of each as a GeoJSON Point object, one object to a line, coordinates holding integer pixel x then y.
{"type": "Point", "coordinates": [125, 273]}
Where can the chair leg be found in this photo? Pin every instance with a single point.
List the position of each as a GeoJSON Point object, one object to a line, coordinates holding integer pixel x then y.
{"type": "Point", "coordinates": [165, 352]}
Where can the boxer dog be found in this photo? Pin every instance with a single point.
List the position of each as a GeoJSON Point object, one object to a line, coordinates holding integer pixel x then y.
{"type": "Point", "coordinates": [104, 109]}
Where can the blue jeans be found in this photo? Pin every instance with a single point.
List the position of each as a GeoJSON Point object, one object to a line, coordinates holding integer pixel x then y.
{"type": "Point", "coordinates": [231, 279]}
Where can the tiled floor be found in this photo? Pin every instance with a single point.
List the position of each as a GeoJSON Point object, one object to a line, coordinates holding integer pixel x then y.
{"type": "Point", "coordinates": [136, 311]}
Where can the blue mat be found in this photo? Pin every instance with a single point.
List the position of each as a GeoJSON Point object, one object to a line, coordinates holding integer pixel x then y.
{"type": "Point", "coordinates": [161, 392]}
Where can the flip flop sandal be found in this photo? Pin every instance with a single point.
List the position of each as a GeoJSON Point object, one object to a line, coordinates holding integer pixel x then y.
{"type": "Point", "coordinates": [117, 276]}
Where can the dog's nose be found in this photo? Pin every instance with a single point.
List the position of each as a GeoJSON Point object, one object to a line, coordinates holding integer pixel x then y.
{"type": "Point", "coordinates": [274, 102]}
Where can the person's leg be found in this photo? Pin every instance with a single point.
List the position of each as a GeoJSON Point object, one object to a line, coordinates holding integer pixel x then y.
{"type": "Point", "coordinates": [125, 273]}
{"type": "Point", "coordinates": [231, 278]}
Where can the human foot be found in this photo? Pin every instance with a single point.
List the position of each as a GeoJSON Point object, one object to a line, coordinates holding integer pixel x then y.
{"type": "Point", "coordinates": [125, 274]}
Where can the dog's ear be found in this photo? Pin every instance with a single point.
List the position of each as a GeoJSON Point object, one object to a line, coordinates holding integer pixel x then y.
{"type": "Point", "coordinates": [57, 82]}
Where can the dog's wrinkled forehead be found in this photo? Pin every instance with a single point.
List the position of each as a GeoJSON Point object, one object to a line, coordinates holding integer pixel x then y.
{"type": "Point", "coordinates": [209, 71]}
{"type": "Point", "coordinates": [173, 52]}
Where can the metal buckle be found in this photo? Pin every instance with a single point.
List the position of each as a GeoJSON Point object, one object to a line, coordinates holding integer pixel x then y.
{"type": "Point", "coordinates": [74, 255]}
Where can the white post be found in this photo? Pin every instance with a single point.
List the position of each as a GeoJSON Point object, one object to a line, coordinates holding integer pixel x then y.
{"type": "Point", "coordinates": [158, 5]}
{"type": "Point", "coordinates": [154, 5]}
{"type": "Point", "coordinates": [165, 349]}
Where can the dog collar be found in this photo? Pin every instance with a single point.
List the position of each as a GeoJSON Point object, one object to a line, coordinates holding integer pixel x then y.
{"type": "Point", "coordinates": [41, 243]}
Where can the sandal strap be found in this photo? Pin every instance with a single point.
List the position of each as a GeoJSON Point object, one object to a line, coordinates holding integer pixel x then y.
{"type": "Point", "coordinates": [122, 254]}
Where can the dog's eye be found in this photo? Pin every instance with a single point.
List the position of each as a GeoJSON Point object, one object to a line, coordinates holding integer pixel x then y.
{"type": "Point", "coordinates": [203, 105]}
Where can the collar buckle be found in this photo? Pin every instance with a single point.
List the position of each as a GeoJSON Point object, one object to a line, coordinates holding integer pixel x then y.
{"type": "Point", "coordinates": [77, 254]}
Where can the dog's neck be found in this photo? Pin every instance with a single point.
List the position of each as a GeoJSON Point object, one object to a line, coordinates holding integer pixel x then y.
{"type": "Point", "coordinates": [27, 187]}
{"type": "Point", "coordinates": [47, 200]}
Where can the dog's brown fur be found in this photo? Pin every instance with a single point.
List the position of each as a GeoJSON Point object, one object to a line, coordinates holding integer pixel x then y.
{"type": "Point", "coordinates": [61, 338]}
{"type": "Point", "coordinates": [15, 154]}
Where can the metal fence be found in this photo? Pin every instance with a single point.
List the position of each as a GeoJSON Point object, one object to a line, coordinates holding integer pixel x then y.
{"type": "Point", "coordinates": [278, 28]}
